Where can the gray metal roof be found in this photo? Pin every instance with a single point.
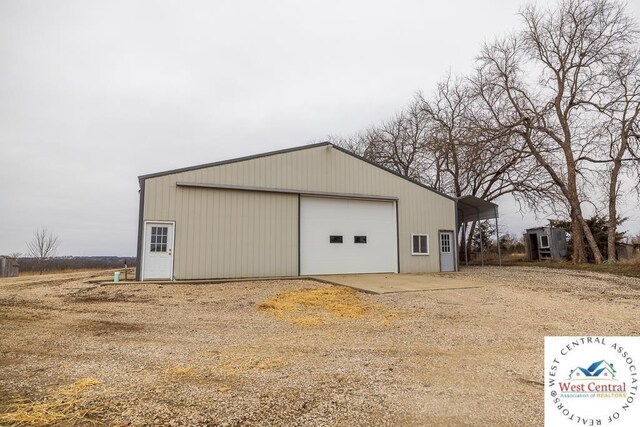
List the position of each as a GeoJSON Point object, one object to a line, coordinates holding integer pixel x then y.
{"type": "Point", "coordinates": [472, 208]}
{"type": "Point", "coordinates": [544, 227]}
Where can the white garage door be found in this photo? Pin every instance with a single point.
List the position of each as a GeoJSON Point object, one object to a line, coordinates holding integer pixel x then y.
{"type": "Point", "coordinates": [339, 236]}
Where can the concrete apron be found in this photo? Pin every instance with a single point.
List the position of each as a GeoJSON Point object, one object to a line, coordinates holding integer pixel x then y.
{"type": "Point", "coordinates": [384, 283]}
{"type": "Point", "coordinates": [389, 283]}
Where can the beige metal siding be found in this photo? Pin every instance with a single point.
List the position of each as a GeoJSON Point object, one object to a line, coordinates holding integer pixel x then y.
{"type": "Point", "coordinates": [216, 230]}
{"type": "Point", "coordinates": [226, 233]}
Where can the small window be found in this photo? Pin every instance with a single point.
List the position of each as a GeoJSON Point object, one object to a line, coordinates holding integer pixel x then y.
{"type": "Point", "coordinates": [544, 241]}
{"type": "Point", "coordinates": [359, 239]}
{"type": "Point", "coordinates": [419, 244]}
{"type": "Point", "coordinates": [335, 239]}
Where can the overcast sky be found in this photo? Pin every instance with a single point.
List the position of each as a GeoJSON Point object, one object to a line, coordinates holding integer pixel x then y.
{"type": "Point", "coordinates": [95, 93]}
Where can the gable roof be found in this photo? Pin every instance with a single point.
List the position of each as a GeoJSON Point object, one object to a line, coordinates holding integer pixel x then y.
{"type": "Point", "coordinates": [289, 150]}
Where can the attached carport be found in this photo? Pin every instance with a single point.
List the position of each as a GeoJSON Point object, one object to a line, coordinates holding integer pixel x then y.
{"type": "Point", "coordinates": [472, 208]}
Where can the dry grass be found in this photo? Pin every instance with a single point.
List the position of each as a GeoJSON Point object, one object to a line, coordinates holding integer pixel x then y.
{"type": "Point", "coordinates": [387, 318]}
{"type": "Point", "coordinates": [62, 271]}
{"type": "Point", "coordinates": [627, 268]}
{"type": "Point", "coordinates": [632, 261]}
{"type": "Point", "coordinates": [180, 371]}
{"type": "Point", "coordinates": [242, 363]}
{"type": "Point", "coordinates": [312, 307]}
{"type": "Point", "coordinates": [66, 406]}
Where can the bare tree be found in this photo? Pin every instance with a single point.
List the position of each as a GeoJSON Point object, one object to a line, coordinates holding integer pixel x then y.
{"type": "Point", "coordinates": [43, 246]}
{"type": "Point", "coordinates": [15, 255]}
{"type": "Point", "coordinates": [621, 154]}
{"type": "Point", "coordinates": [550, 74]}
{"type": "Point", "coordinates": [549, 111]}
{"type": "Point", "coordinates": [397, 144]}
{"type": "Point", "coordinates": [475, 159]}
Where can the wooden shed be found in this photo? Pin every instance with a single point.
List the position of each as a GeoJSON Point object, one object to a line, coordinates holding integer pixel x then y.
{"type": "Point", "coordinates": [545, 243]}
{"type": "Point", "coordinates": [9, 266]}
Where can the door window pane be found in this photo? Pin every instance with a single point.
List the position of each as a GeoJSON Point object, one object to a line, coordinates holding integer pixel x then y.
{"type": "Point", "coordinates": [445, 243]}
{"type": "Point", "coordinates": [159, 239]}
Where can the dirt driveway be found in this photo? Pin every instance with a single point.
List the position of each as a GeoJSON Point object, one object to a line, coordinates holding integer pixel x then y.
{"type": "Point", "coordinates": [295, 352]}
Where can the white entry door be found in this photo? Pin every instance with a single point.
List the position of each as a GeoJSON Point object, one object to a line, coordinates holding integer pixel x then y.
{"type": "Point", "coordinates": [158, 251]}
{"type": "Point", "coordinates": [339, 236]}
{"type": "Point", "coordinates": [447, 262]}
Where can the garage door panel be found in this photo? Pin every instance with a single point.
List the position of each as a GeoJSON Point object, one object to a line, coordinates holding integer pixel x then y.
{"type": "Point", "coordinates": [321, 218]}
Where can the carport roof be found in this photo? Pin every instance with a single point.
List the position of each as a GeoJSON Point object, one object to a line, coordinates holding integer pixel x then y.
{"type": "Point", "coordinates": [472, 208]}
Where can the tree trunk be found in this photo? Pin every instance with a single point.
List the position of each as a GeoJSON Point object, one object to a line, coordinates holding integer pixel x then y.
{"type": "Point", "coordinates": [612, 223]}
{"type": "Point", "coordinates": [579, 254]}
{"type": "Point", "coordinates": [593, 245]}
{"type": "Point", "coordinates": [577, 220]}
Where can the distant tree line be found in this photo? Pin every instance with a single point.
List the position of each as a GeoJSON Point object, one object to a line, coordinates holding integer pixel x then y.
{"type": "Point", "coordinates": [41, 256]}
{"type": "Point", "coordinates": [550, 115]}
{"type": "Point", "coordinates": [28, 264]}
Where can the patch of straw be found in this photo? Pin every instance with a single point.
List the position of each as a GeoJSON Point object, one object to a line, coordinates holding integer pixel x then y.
{"type": "Point", "coordinates": [311, 307]}
{"type": "Point", "coordinates": [387, 318]}
{"type": "Point", "coordinates": [66, 406]}
{"type": "Point", "coordinates": [245, 362]}
{"type": "Point", "coordinates": [180, 371]}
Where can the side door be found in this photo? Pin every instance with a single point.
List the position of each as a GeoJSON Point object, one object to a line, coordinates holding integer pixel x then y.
{"type": "Point", "coordinates": [447, 261]}
{"type": "Point", "coordinates": [158, 251]}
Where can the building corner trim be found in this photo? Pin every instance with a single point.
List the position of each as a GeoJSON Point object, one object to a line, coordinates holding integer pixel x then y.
{"type": "Point", "coordinates": [140, 230]}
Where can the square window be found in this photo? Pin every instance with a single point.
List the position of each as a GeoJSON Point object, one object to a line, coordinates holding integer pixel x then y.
{"type": "Point", "coordinates": [544, 241]}
{"type": "Point", "coordinates": [419, 244]}
{"type": "Point", "coordinates": [335, 239]}
{"type": "Point", "coordinates": [359, 239]}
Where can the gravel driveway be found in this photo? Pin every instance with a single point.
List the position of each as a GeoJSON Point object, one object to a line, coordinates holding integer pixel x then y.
{"type": "Point", "coordinates": [295, 352]}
